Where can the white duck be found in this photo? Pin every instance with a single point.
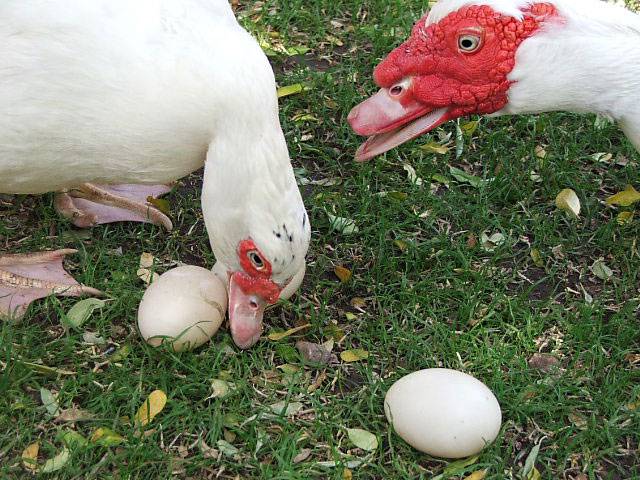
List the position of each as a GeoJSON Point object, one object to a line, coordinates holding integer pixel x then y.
{"type": "Point", "coordinates": [115, 91]}
{"type": "Point", "coordinates": [505, 57]}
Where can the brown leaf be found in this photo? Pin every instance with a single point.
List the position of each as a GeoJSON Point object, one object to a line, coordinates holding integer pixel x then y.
{"type": "Point", "coordinates": [74, 414]}
{"type": "Point", "coordinates": [633, 358]}
{"type": "Point", "coordinates": [544, 362]}
{"type": "Point", "coordinates": [317, 382]}
{"type": "Point", "coordinates": [302, 455]}
{"type": "Point", "coordinates": [472, 240]}
{"type": "Point", "coordinates": [343, 273]}
{"type": "Point", "coordinates": [313, 353]}
{"type": "Point", "coordinates": [358, 303]}
{"type": "Point", "coordinates": [578, 420]}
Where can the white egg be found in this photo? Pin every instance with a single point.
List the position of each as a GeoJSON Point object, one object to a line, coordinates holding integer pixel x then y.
{"type": "Point", "coordinates": [443, 413]}
{"type": "Point", "coordinates": [221, 271]}
{"type": "Point", "coordinates": [186, 304]}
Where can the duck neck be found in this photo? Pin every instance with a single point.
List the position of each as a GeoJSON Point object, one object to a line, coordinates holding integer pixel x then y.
{"type": "Point", "coordinates": [582, 65]}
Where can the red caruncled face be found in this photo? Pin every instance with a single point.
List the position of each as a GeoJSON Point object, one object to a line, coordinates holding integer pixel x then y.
{"type": "Point", "coordinates": [250, 291]}
{"type": "Point", "coordinates": [456, 67]}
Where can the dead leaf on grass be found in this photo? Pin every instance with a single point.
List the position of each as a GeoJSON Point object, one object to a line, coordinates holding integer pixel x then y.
{"type": "Point", "coordinates": [544, 362]}
{"type": "Point", "coordinates": [30, 456]}
{"type": "Point", "coordinates": [302, 455]}
{"type": "Point", "coordinates": [313, 353]}
{"type": "Point", "coordinates": [627, 197]}
{"type": "Point", "coordinates": [343, 273]}
{"type": "Point", "coordinates": [354, 355]}
{"type": "Point", "coordinates": [568, 201]}
{"type": "Point", "coordinates": [152, 406]}
{"type": "Point", "coordinates": [280, 335]}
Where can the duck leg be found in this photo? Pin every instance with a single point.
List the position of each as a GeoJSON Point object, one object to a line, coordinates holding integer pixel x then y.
{"type": "Point", "coordinates": [91, 204]}
{"type": "Point", "coordinates": [31, 276]}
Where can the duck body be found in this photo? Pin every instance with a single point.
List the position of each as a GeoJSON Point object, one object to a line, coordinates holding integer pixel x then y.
{"type": "Point", "coordinates": [115, 91]}
{"type": "Point", "coordinates": [143, 92]}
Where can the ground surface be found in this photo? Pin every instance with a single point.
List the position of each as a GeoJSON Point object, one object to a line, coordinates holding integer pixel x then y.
{"type": "Point", "coordinates": [424, 292]}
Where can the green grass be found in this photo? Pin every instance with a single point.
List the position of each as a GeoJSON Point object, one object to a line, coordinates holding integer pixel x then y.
{"type": "Point", "coordinates": [437, 301]}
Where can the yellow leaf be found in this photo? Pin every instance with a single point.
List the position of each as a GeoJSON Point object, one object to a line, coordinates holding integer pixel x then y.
{"type": "Point", "coordinates": [434, 147]}
{"type": "Point", "coordinates": [304, 117]}
{"type": "Point", "coordinates": [280, 335]}
{"type": "Point", "coordinates": [534, 474]}
{"type": "Point", "coordinates": [625, 217]}
{"type": "Point", "coordinates": [568, 201]}
{"type": "Point", "coordinates": [30, 455]}
{"type": "Point", "coordinates": [537, 257]}
{"type": "Point", "coordinates": [152, 406]}
{"type": "Point", "coordinates": [401, 244]}
{"type": "Point", "coordinates": [477, 475]}
{"type": "Point", "coordinates": [627, 197]}
{"type": "Point", "coordinates": [291, 90]}
{"type": "Point", "coordinates": [354, 355]}
{"type": "Point", "coordinates": [343, 273]}
{"type": "Point", "coordinates": [347, 474]}
{"type": "Point", "coordinates": [632, 406]}
{"type": "Point", "coordinates": [540, 152]}
{"type": "Point", "coordinates": [161, 204]}
{"type": "Point", "coordinates": [468, 128]}
{"type": "Point", "coordinates": [106, 437]}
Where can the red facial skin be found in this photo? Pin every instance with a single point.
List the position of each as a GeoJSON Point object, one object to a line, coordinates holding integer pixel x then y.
{"type": "Point", "coordinates": [473, 82]}
{"type": "Point", "coordinates": [256, 281]}
{"type": "Point", "coordinates": [250, 291]}
{"type": "Point", "coordinates": [442, 75]}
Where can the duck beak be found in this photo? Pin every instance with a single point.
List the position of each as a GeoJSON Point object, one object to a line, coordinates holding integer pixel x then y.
{"type": "Point", "coordinates": [246, 308]}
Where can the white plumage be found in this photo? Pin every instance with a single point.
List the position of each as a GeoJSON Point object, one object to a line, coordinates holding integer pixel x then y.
{"type": "Point", "coordinates": [121, 91]}
{"type": "Point", "coordinates": [586, 61]}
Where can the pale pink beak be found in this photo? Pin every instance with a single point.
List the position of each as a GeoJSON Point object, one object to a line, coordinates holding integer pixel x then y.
{"type": "Point", "coordinates": [246, 310]}
{"type": "Point", "coordinates": [390, 122]}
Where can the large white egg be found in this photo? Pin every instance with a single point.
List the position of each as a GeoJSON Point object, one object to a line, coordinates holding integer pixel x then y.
{"type": "Point", "coordinates": [444, 413]}
{"type": "Point", "coordinates": [186, 304]}
{"type": "Point", "coordinates": [220, 270]}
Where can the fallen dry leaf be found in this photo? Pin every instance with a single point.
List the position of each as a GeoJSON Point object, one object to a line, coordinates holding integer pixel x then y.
{"type": "Point", "coordinates": [568, 201]}
{"type": "Point", "coordinates": [74, 414]}
{"type": "Point", "coordinates": [343, 273]}
{"type": "Point", "coordinates": [106, 437]}
{"type": "Point", "coordinates": [544, 362]}
{"type": "Point", "coordinates": [30, 455]}
{"type": "Point", "coordinates": [313, 353]}
{"type": "Point", "coordinates": [627, 197]}
{"type": "Point", "coordinates": [354, 355]}
{"type": "Point", "coordinates": [624, 217]}
{"type": "Point", "coordinates": [347, 474]}
{"type": "Point", "coordinates": [477, 475]}
{"type": "Point", "coordinates": [280, 335]}
{"type": "Point", "coordinates": [152, 406]}
{"type": "Point", "coordinates": [363, 439]}
{"type": "Point", "coordinates": [302, 455]}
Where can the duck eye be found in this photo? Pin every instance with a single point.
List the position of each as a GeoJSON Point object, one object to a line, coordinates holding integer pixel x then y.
{"type": "Point", "coordinates": [256, 260]}
{"type": "Point", "coordinates": [468, 43]}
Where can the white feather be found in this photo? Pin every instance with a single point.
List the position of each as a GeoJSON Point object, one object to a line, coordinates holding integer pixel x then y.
{"type": "Point", "coordinates": [121, 91]}
{"type": "Point", "coordinates": [586, 60]}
